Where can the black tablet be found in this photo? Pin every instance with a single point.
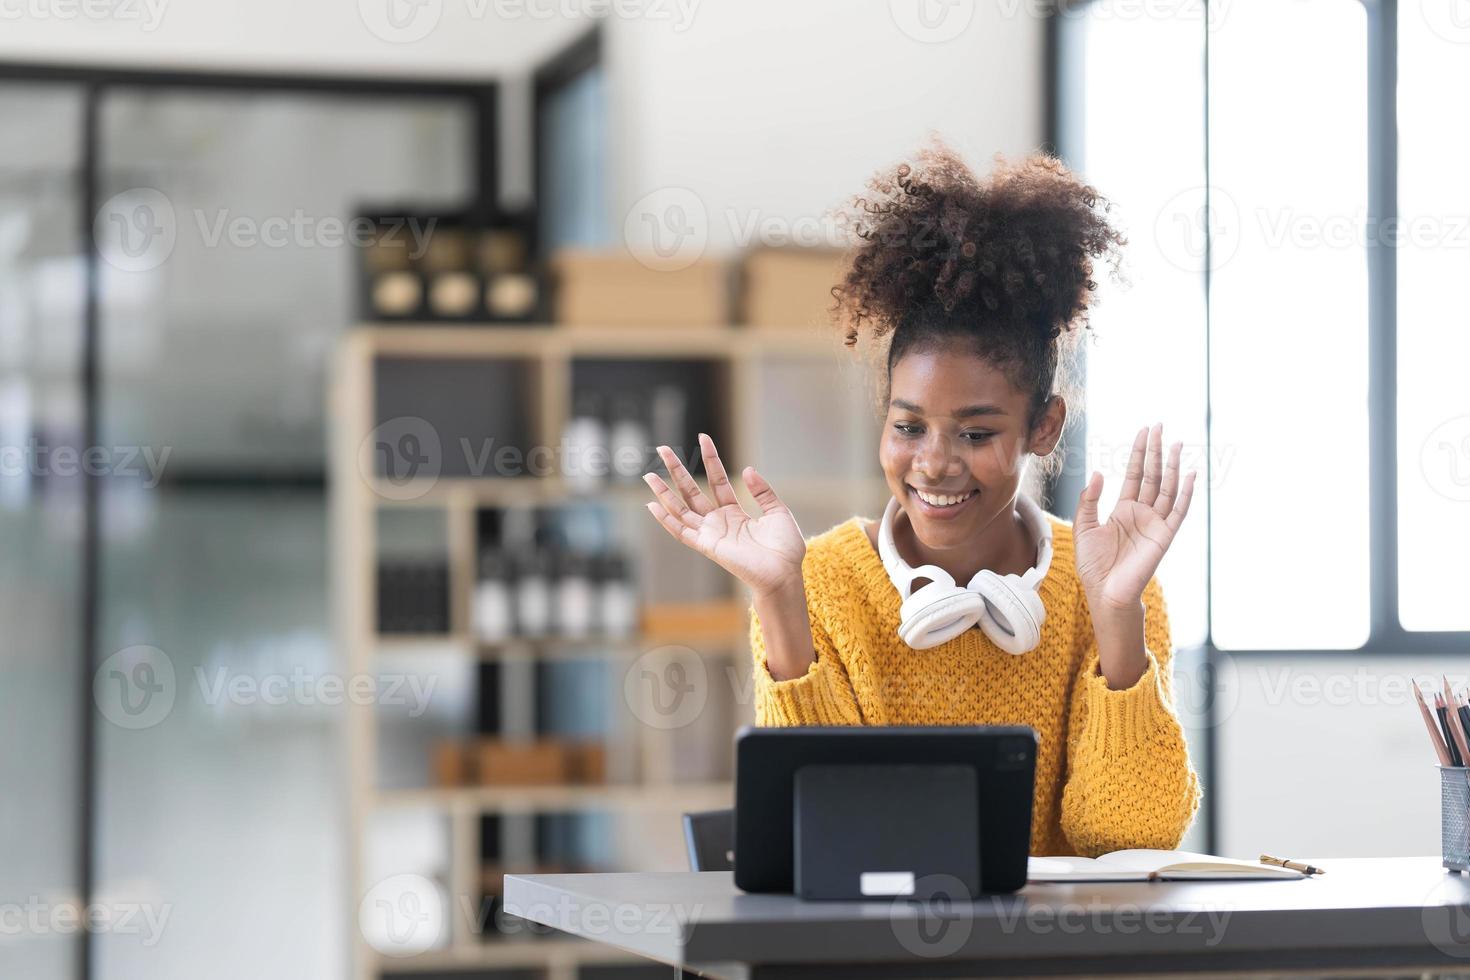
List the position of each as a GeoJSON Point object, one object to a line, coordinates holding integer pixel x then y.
{"type": "Point", "coordinates": [767, 760]}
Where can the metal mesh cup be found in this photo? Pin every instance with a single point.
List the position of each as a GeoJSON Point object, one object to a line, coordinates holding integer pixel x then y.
{"type": "Point", "coordinates": [1454, 816]}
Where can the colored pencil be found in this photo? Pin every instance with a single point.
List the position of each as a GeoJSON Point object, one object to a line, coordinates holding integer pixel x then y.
{"type": "Point", "coordinates": [1435, 738]}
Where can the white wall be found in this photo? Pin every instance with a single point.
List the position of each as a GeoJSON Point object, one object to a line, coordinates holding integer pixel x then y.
{"type": "Point", "coordinates": [1327, 756]}
{"type": "Point", "coordinates": [768, 110]}
{"type": "Point", "coordinates": [779, 111]}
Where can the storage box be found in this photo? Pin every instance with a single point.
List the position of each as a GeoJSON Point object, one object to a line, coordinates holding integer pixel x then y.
{"type": "Point", "coordinates": [613, 289]}
{"type": "Point", "coordinates": [691, 620]}
{"type": "Point", "coordinates": [451, 763]}
{"type": "Point", "coordinates": [586, 762]}
{"type": "Point", "coordinates": [789, 287]}
{"type": "Point", "coordinates": [506, 763]}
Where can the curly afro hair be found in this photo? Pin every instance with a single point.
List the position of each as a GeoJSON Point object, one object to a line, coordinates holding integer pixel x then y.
{"type": "Point", "coordinates": [1003, 264]}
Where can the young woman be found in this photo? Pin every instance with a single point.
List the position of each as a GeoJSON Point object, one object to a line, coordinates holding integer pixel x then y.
{"type": "Point", "coordinates": [980, 289]}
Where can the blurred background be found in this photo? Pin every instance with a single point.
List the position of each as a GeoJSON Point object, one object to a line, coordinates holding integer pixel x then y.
{"type": "Point", "coordinates": [334, 338]}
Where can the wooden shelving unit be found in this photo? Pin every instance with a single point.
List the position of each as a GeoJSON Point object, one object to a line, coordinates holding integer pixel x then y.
{"type": "Point", "coordinates": [532, 799]}
{"type": "Point", "coordinates": [757, 426]}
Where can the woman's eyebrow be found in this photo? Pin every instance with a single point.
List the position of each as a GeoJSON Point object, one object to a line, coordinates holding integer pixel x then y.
{"type": "Point", "coordinates": [969, 411]}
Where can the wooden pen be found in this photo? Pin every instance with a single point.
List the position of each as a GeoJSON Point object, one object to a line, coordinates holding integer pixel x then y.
{"type": "Point", "coordinates": [1305, 869]}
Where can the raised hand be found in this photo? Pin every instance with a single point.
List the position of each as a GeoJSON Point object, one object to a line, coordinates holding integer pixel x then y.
{"type": "Point", "coordinates": [764, 552]}
{"type": "Point", "coordinates": [1115, 560]}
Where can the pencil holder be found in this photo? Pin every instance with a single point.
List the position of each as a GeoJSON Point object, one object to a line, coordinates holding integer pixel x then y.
{"type": "Point", "coordinates": [1454, 816]}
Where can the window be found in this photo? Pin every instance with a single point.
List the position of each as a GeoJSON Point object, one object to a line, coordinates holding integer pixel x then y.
{"type": "Point", "coordinates": [1142, 147]}
{"type": "Point", "coordinates": [1235, 139]}
{"type": "Point", "coordinates": [1432, 238]}
{"type": "Point", "coordinates": [1289, 325]}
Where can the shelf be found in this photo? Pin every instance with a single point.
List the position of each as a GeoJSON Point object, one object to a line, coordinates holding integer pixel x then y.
{"type": "Point", "coordinates": [508, 491]}
{"type": "Point", "coordinates": [540, 799]}
{"type": "Point", "coordinates": [737, 382]}
{"type": "Point", "coordinates": [413, 642]}
{"type": "Point", "coordinates": [438, 340]}
{"type": "Point", "coordinates": [715, 643]}
{"type": "Point", "coordinates": [533, 491]}
{"type": "Point", "coordinates": [474, 491]}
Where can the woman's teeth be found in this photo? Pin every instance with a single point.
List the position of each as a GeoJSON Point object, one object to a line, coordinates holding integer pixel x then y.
{"type": "Point", "coordinates": [935, 500]}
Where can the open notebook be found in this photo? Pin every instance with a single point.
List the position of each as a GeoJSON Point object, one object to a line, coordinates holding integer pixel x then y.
{"type": "Point", "coordinates": [1144, 865]}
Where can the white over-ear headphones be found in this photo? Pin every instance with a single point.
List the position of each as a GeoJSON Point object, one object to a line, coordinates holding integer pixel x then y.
{"type": "Point", "coordinates": [1007, 607]}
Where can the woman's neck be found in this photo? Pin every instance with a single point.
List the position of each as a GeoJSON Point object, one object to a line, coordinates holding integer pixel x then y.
{"type": "Point", "coordinates": [1005, 546]}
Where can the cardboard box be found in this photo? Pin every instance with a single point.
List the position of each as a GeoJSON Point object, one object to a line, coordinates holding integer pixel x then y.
{"type": "Point", "coordinates": [789, 287]}
{"type": "Point", "coordinates": [587, 762]}
{"type": "Point", "coordinates": [692, 620]}
{"type": "Point", "coordinates": [614, 289]}
{"type": "Point", "coordinates": [451, 763]}
{"type": "Point", "coordinates": [500, 762]}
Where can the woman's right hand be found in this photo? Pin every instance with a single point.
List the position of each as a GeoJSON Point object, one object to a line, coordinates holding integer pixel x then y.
{"type": "Point", "coordinates": [764, 552]}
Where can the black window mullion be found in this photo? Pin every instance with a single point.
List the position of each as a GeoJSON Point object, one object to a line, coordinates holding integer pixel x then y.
{"type": "Point", "coordinates": [89, 591]}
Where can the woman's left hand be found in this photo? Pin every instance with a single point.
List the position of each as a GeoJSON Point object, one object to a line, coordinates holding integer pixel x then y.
{"type": "Point", "coordinates": [1115, 560]}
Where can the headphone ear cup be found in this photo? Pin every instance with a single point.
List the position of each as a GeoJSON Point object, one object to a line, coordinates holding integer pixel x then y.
{"type": "Point", "coordinates": [1013, 614]}
{"type": "Point", "coordinates": [938, 613]}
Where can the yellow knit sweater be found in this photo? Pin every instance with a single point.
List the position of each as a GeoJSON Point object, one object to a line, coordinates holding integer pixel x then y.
{"type": "Point", "coordinates": [1112, 768]}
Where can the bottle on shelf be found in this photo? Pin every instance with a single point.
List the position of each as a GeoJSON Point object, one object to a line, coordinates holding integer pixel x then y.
{"type": "Point", "coordinates": [574, 603]}
{"type": "Point", "coordinates": [617, 600]}
{"type": "Point", "coordinates": [585, 447]}
{"type": "Point", "coordinates": [533, 593]}
{"type": "Point", "coordinates": [628, 440]}
{"type": "Point", "coordinates": [494, 606]}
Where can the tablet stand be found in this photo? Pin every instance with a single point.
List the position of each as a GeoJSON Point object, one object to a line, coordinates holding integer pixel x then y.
{"type": "Point", "coordinates": [881, 831]}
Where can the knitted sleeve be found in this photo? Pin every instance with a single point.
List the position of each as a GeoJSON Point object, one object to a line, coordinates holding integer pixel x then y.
{"type": "Point", "coordinates": [822, 696]}
{"type": "Point", "coordinates": [1129, 780]}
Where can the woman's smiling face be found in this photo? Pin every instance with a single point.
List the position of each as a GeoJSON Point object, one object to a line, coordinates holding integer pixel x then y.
{"type": "Point", "coordinates": [955, 442]}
